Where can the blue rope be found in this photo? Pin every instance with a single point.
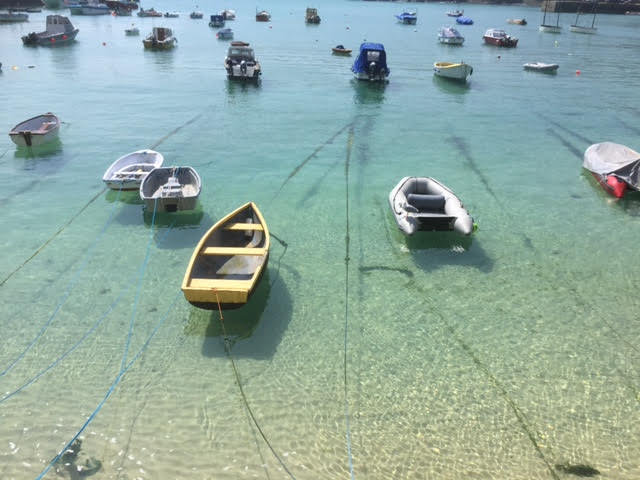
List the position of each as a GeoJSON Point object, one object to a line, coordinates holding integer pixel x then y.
{"type": "Point", "coordinates": [111, 389]}
{"type": "Point", "coordinates": [82, 339]}
{"type": "Point", "coordinates": [67, 293]}
{"type": "Point", "coordinates": [137, 298]}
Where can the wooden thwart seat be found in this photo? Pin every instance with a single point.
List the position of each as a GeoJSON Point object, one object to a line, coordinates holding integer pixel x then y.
{"type": "Point", "coordinates": [233, 251]}
{"type": "Point", "coordinates": [244, 226]}
{"type": "Point", "coordinates": [213, 283]}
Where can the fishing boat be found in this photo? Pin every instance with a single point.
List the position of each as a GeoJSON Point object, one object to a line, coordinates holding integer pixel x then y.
{"type": "Point", "coordinates": [170, 189]}
{"type": "Point", "coordinates": [464, 21]}
{"type": "Point", "coordinates": [616, 167]}
{"type": "Point", "coordinates": [541, 67]}
{"type": "Point", "coordinates": [311, 16]}
{"type": "Point", "coordinates": [371, 63]}
{"type": "Point", "coordinates": [228, 14]}
{"type": "Point", "coordinates": [408, 18]}
{"type": "Point", "coordinates": [171, 15]}
{"type": "Point", "coordinates": [160, 38]}
{"type": "Point", "coordinates": [450, 36]}
{"type": "Point", "coordinates": [548, 28]}
{"type": "Point", "coordinates": [11, 17]}
{"type": "Point", "coordinates": [585, 28]}
{"type": "Point", "coordinates": [216, 21]}
{"type": "Point", "coordinates": [59, 31]}
{"type": "Point", "coordinates": [128, 171]}
{"type": "Point", "coordinates": [499, 38]}
{"type": "Point", "coordinates": [240, 62]}
{"type": "Point", "coordinates": [263, 16]}
{"type": "Point", "coordinates": [132, 32]}
{"type": "Point", "coordinates": [340, 50]}
{"type": "Point", "coordinates": [225, 34]}
{"type": "Point", "coordinates": [196, 15]}
{"type": "Point", "coordinates": [122, 12]}
{"type": "Point", "coordinates": [423, 203]}
{"type": "Point", "coordinates": [149, 13]}
{"type": "Point", "coordinates": [517, 21]}
{"type": "Point", "coordinates": [454, 71]}
{"type": "Point", "coordinates": [36, 131]}
{"type": "Point", "coordinates": [455, 13]}
{"type": "Point", "coordinates": [89, 8]}
{"type": "Point", "coordinates": [229, 260]}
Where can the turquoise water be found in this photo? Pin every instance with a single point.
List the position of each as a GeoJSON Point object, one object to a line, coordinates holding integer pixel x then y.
{"type": "Point", "coordinates": [498, 356]}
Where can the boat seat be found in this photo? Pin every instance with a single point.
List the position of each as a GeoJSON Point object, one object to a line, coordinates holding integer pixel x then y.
{"type": "Point", "coordinates": [243, 226]}
{"type": "Point", "coordinates": [426, 202]}
{"type": "Point", "coordinates": [233, 251]}
{"type": "Point", "coordinates": [218, 283]}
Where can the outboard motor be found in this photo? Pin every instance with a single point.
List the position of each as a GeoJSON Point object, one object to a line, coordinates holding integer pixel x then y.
{"type": "Point", "coordinates": [243, 67]}
{"type": "Point", "coordinates": [371, 69]}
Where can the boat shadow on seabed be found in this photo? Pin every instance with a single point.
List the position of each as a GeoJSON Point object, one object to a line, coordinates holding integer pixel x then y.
{"type": "Point", "coordinates": [253, 330]}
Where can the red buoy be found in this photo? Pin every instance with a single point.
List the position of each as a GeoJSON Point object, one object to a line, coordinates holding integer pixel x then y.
{"type": "Point", "coordinates": [617, 186]}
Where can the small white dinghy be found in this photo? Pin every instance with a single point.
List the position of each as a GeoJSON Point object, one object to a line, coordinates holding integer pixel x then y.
{"type": "Point", "coordinates": [541, 67]}
{"type": "Point", "coordinates": [36, 130]}
{"type": "Point", "coordinates": [454, 71]}
{"type": "Point", "coordinates": [170, 189]}
{"type": "Point", "coordinates": [127, 172]}
{"type": "Point", "coordinates": [423, 203]}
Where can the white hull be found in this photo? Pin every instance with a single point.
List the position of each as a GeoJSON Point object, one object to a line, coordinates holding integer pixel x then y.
{"type": "Point", "coordinates": [579, 29]}
{"type": "Point", "coordinates": [451, 41]}
{"type": "Point", "coordinates": [541, 67]}
{"type": "Point", "coordinates": [36, 140]}
{"type": "Point", "coordinates": [458, 71]}
{"type": "Point", "coordinates": [171, 189]}
{"type": "Point", "coordinates": [36, 131]}
{"type": "Point", "coordinates": [372, 78]}
{"type": "Point", "coordinates": [250, 73]}
{"type": "Point", "coordinates": [128, 171]}
{"type": "Point", "coordinates": [550, 29]}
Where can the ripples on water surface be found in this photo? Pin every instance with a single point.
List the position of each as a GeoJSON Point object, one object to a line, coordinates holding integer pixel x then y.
{"type": "Point", "coordinates": [497, 356]}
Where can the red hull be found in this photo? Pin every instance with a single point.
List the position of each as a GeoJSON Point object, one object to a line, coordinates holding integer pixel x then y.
{"type": "Point", "coordinates": [501, 42]}
{"type": "Point", "coordinates": [611, 184]}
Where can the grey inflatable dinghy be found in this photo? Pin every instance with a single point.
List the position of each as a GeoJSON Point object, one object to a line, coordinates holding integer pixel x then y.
{"type": "Point", "coordinates": [423, 203]}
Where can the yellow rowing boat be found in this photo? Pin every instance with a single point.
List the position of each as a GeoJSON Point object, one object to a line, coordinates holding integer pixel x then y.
{"type": "Point", "coordinates": [228, 261]}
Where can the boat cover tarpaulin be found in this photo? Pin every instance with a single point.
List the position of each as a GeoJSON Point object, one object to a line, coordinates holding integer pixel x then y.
{"type": "Point", "coordinates": [360, 65]}
{"type": "Point", "coordinates": [609, 158]}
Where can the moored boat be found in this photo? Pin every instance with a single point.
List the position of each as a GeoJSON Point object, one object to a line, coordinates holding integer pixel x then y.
{"type": "Point", "coordinates": [585, 28]}
{"type": "Point", "coordinates": [216, 21]}
{"type": "Point", "coordinates": [128, 171]}
{"type": "Point", "coordinates": [240, 62]}
{"type": "Point", "coordinates": [455, 13]}
{"type": "Point", "coordinates": [541, 67]}
{"type": "Point", "coordinates": [450, 36]}
{"type": "Point", "coordinates": [499, 38]}
{"type": "Point", "coordinates": [228, 14]}
{"type": "Point", "coordinates": [36, 131]}
{"type": "Point", "coordinates": [171, 15]}
{"type": "Point", "coordinates": [340, 50]}
{"type": "Point", "coordinates": [59, 31]}
{"type": "Point", "coordinates": [160, 38]}
{"type": "Point", "coordinates": [371, 63]}
{"type": "Point", "coordinates": [170, 189]}
{"type": "Point", "coordinates": [616, 167]}
{"type": "Point", "coordinates": [225, 34]}
{"type": "Point", "coordinates": [11, 17]}
{"type": "Point", "coordinates": [149, 13]}
{"type": "Point", "coordinates": [464, 21]}
{"type": "Point", "coordinates": [196, 15]}
{"type": "Point", "coordinates": [455, 71]}
{"type": "Point", "coordinates": [132, 32]}
{"type": "Point", "coordinates": [548, 27]}
{"type": "Point", "coordinates": [311, 16]}
{"type": "Point", "coordinates": [229, 260]}
{"type": "Point", "coordinates": [517, 21]}
{"type": "Point", "coordinates": [263, 16]}
{"type": "Point", "coordinates": [408, 18]}
{"type": "Point", "coordinates": [92, 8]}
{"type": "Point", "coordinates": [423, 203]}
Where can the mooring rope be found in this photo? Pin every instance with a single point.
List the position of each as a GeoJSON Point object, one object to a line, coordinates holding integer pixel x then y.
{"type": "Point", "coordinates": [139, 289]}
{"type": "Point", "coordinates": [175, 130]}
{"type": "Point", "coordinates": [347, 240]}
{"type": "Point", "coordinates": [86, 335]}
{"type": "Point", "coordinates": [68, 291]}
{"type": "Point", "coordinates": [110, 391]}
{"type": "Point", "coordinates": [93, 199]}
{"type": "Point", "coordinates": [227, 349]}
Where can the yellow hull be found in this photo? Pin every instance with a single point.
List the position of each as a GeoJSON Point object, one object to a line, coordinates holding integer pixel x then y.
{"type": "Point", "coordinates": [228, 261]}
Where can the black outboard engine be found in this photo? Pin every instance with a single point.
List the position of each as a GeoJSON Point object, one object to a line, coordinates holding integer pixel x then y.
{"type": "Point", "coordinates": [371, 69]}
{"type": "Point", "coordinates": [31, 39]}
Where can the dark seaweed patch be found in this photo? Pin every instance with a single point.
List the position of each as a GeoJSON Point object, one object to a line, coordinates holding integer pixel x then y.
{"type": "Point", "coordinates": [579, 470]}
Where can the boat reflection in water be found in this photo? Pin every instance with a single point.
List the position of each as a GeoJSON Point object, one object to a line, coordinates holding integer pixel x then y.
{"type": "Point", "coordinates": [368, 93]}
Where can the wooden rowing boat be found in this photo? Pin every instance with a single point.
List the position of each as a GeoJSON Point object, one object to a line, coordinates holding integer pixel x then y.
{"type": "Point", "coordinates": [228, 261]}
{"type": "Point", "coordinates": [36, 131]}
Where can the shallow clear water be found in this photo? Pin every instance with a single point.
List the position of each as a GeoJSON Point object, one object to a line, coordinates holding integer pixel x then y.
{"type": "Point", "coordinates": [498, 356]}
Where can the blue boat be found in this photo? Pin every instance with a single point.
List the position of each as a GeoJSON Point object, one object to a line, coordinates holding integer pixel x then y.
{"type": "Point", "coordinates": [371, 63]}
{"type": "Point", "coordinates": [216, 21]}
{"type": "Point", "coordinates": [225, 34]}
{"type": "Point", "coordinates": [464, 21]}
{"type": "Point", "coordinates": [408, 18]}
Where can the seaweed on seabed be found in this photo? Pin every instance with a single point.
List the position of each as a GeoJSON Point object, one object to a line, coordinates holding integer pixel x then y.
{"type": "Point", "coordinates": [68, 463]}
{"type": "Point", "coordinates": [579, 470]}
